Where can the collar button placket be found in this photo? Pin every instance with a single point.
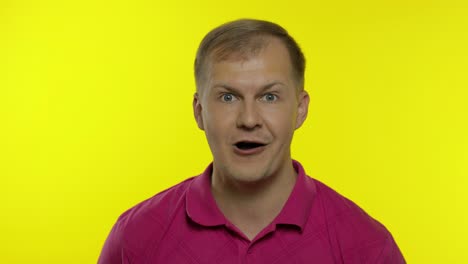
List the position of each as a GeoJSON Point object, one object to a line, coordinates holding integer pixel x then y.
{"type": "Point", "coordinates": [249, 255]}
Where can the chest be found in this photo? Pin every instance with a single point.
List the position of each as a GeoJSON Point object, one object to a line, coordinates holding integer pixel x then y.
{"type": "Point", "coordinates": [224, 247]}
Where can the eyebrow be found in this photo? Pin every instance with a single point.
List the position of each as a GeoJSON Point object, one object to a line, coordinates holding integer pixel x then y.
{"type": "Point", "coordinates": [234, 90]}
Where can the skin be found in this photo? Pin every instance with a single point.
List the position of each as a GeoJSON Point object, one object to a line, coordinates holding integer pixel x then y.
{"type": "Point", "coordinates": [251, 99]}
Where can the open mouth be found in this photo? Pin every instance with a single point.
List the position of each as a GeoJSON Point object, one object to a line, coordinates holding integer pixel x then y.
{"type": "Point", "coordinates": [244, 145]}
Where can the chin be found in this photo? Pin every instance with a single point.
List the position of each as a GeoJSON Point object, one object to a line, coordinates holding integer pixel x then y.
{"type": "Point", "coordinates": [248, 175]}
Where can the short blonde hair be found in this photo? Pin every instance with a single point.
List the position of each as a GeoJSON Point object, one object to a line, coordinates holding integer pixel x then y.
{"type": "Point", "coordinates": [245, 37]}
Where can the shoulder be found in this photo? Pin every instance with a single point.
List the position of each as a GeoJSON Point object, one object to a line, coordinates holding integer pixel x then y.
{"type": "Point", "coordinates": [144, 224]}
{"type": "Point", "coordinates": [156, 211]}
{"type": "Point", "coordinates": [359, 237]}
{"type": "Point", "coordinates": [157, 207]}
{"type": "Point", "coordinates": [340, 210]}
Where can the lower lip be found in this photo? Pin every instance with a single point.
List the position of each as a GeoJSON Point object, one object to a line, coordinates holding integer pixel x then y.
{"type": "Point", "coordinates": [248, 152]}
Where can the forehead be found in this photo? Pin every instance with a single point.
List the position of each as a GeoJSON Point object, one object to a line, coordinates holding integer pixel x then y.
{"type": "Point", "coordinates": [271, 62]}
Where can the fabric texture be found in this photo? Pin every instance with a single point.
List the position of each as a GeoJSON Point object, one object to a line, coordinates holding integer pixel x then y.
{"type": "Point", "coordinates": [184, 225]}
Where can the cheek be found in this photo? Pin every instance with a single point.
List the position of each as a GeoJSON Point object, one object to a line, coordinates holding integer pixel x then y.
{"type": "Point", "coordinates": [281, 120]}
{"type": "Point", "coordinates": [217, 123]}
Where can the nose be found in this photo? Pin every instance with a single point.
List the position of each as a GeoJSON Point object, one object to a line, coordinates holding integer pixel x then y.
{"type": "Point", "coordinates": [249, 117]}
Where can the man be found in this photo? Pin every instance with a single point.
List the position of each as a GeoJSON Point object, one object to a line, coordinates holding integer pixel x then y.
{"type": "Point", "coordinates": [253, 204]}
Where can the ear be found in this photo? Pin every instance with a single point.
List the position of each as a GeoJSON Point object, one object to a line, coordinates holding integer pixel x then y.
{"type": "Point", "coordinates": [302, 108]}
{"type": "Point", "coordinates": [197, 111]}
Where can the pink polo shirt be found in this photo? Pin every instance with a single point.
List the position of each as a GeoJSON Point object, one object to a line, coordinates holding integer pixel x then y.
{"type": "Point", "coordinates": [184, 225]}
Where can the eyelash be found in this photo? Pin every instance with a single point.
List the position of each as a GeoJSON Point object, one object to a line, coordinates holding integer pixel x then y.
{"type": "Point", "coordinates": [268, 94]}
{"type": "Point", "coordinates": [222, 97]}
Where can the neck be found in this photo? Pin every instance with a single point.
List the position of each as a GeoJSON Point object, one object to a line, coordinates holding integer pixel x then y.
{"type": "Point", "coordinates": [252, 206]}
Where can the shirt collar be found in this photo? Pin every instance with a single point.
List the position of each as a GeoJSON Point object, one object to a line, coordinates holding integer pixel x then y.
{"type": "Point", "coordinates": [202, 208]}
{"type": "Point", "coordinates": [297, 209]}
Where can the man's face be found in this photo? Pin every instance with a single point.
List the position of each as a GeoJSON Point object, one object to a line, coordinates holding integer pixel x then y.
{"type": "Point", "coordinates": [249, 109]}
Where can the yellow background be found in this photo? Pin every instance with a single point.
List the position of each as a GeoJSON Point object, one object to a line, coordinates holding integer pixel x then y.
{"type": "Point", "coordinates": [95, 114]}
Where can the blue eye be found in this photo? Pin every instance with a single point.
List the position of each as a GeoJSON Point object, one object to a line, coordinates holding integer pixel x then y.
{"type": "Point", "coordinates": [269, 97]}
{"type": "Point", "coordinates": [227, 97]}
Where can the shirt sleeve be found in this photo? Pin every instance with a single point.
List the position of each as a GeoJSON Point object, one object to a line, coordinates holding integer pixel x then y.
{"type": "Point", "coordinates": [112, 251]}
{"type": "Point", "coordinates": [391, 254]}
